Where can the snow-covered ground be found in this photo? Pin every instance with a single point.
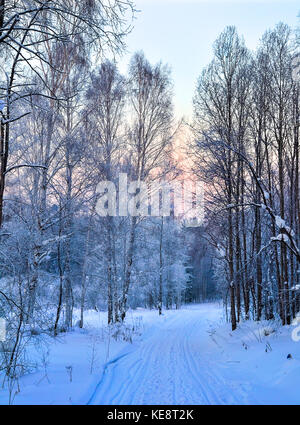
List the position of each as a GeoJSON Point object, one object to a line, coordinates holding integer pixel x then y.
{"type": "Point", "coordinates": [188, 356]}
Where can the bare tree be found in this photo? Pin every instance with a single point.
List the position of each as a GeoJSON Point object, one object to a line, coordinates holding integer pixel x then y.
{"type": "Point", "coordinates": [106, 103]}
{"type": "Point", "coordinates": [220, 112]}
{"type": "Point", "coordinates": [150, 135]}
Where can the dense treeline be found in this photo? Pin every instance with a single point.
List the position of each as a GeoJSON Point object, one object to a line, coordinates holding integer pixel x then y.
{"type": "Point", "coordinates": [247, 148]}
{"type": "Point", "coordinates": [70, 120]}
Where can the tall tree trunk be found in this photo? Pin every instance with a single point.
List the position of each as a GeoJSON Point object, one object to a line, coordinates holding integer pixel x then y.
{"type": "Point", "coordinates": [128, 270]}
{"type": "Point", "coordinates": [160, 291]}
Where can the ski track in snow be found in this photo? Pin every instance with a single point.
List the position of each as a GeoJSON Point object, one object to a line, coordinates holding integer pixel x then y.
{"type": "Point", "coordinates": [171, 366]}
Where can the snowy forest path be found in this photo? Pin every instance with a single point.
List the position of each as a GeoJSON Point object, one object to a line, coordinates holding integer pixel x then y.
{"type": "Point", "coordinates": [174, 365]}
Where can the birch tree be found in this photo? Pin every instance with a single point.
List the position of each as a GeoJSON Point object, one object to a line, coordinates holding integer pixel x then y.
{"type": "Point", "coordinates": [150, 100]}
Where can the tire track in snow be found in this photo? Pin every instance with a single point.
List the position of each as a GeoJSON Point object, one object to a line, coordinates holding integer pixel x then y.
{"type": "Point", "coordinates": [210, 378]}
{"type": "Point", "coordinates": [166, 368]}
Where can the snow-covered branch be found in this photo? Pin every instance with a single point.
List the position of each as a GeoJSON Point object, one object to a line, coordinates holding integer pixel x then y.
{"type": "Point", "coordinates": [15, 167]}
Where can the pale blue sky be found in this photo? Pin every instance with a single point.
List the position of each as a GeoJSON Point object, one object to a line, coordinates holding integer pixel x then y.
{"type": "Point", "coordinates": [181, 33]}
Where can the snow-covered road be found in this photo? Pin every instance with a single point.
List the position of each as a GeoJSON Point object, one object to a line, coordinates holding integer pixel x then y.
{"type": "Point", "coordinates": [185, 357]}
{"type": "Point", "coordinates": [173, 365]}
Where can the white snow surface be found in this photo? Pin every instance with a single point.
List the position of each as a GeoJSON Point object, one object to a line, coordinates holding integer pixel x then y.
{"type": "Point", "coordinates": [189, 356]}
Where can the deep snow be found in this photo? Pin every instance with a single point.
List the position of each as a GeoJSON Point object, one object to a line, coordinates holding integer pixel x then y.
{"type": "Point", "coordinates": [188, 356]}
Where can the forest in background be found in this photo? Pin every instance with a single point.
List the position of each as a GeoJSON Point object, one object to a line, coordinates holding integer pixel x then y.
{"type": "Point", "coordinates": [247, 148]}
{"type": "Point", "coordinates": [69, 120]}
